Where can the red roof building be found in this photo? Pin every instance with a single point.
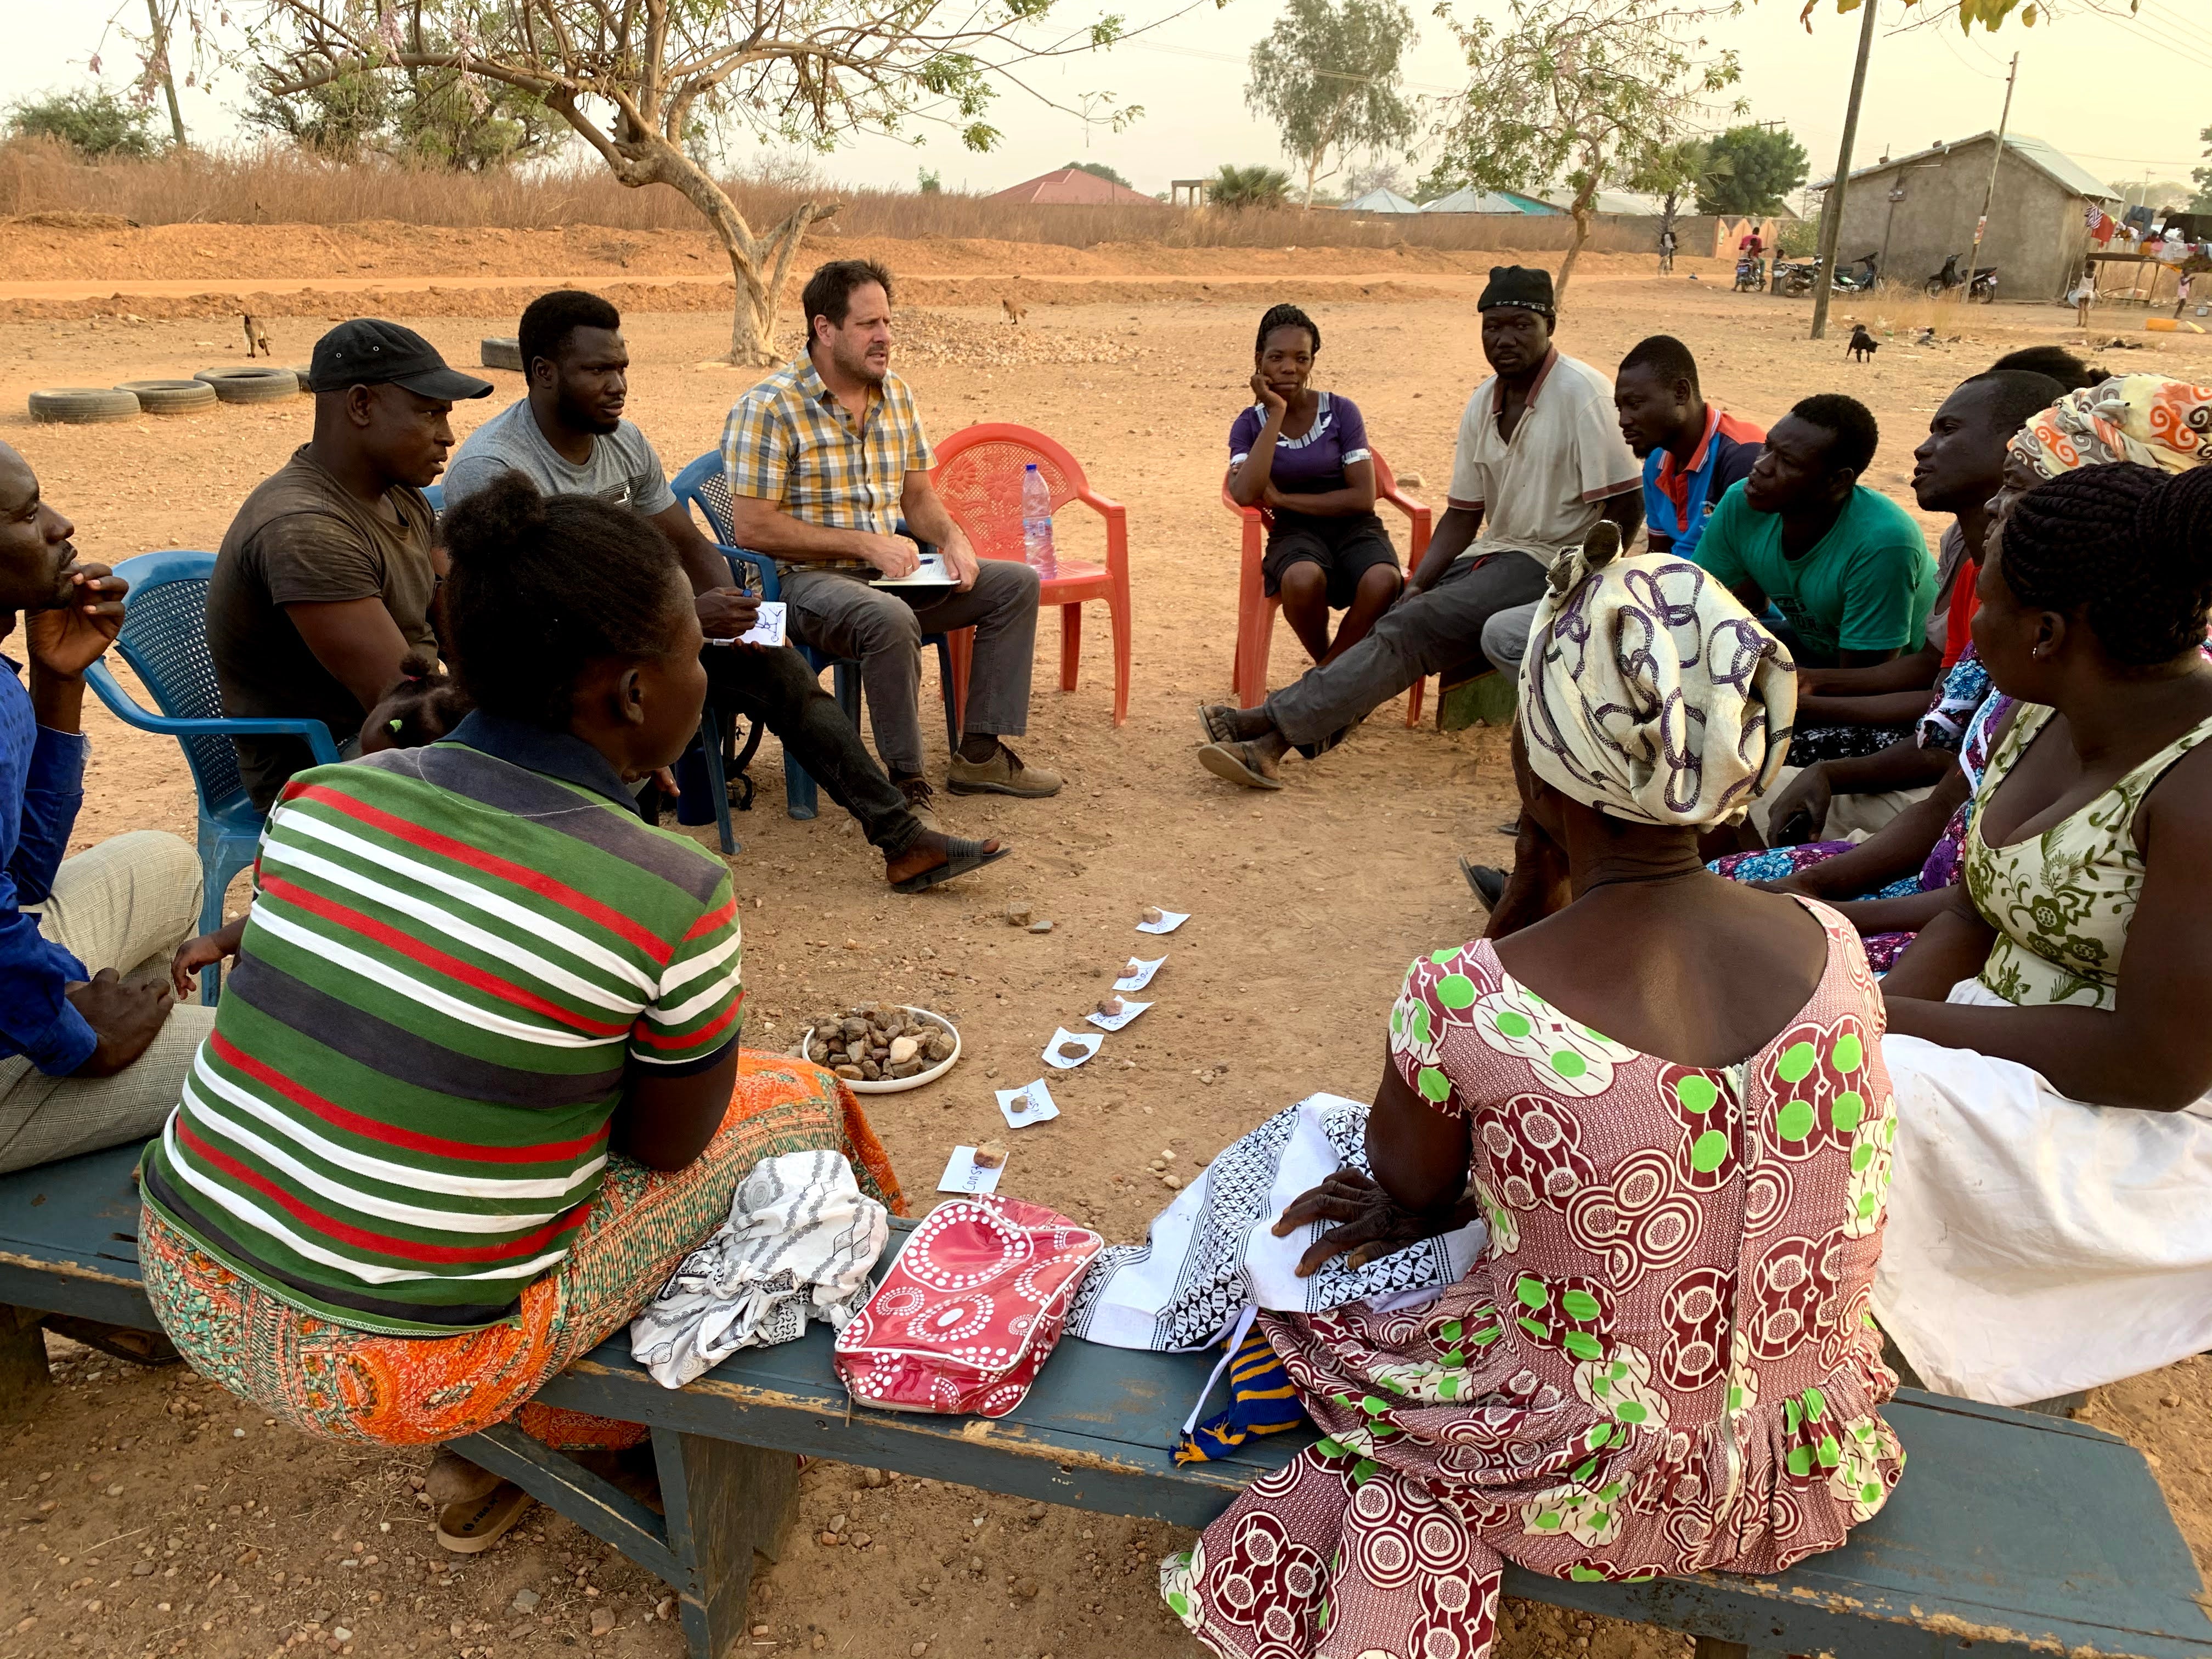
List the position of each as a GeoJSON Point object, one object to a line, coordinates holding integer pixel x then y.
{"type": "Point", "coordinates": [1072, 186]}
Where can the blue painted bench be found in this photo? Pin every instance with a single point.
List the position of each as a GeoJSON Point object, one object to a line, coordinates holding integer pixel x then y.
{"type": "Point", "coordinates": [2012, 1533]}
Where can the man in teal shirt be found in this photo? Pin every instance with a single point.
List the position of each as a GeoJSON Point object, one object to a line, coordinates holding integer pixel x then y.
{"type": "Point", "coordinates": [1847, 567]}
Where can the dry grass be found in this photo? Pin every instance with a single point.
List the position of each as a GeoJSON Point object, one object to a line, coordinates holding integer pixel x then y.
{"type": "Point", "coordinates": [276, 185]}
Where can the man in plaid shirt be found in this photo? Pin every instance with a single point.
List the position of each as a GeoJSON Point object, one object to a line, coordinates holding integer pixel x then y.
{"type": "Point", "coordinates": [830, 472]}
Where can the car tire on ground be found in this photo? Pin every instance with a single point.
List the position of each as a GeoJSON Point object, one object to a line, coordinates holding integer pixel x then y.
{"type": "Point", "coordinates": [300, 369]}
{"type": "Point", "coordinates": [82, 405]}
{"type": "Point", "coordinates": [171, 397]}
{"type": "Point", "coordinates": [495, 352]}
{"type": "Point", "coordinates": [252, 386]}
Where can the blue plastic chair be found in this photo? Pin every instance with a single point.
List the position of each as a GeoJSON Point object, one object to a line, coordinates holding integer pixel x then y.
{"type": "Point", "coordinates": [164, 639]}
{"type": "Point", "coordinates": [705, 485]}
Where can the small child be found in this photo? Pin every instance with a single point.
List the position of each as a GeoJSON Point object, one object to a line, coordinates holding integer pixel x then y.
{"type": "Point", "coordinates": [421, 707]}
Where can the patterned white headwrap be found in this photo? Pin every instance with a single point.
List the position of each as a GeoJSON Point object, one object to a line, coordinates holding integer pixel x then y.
{"type": "Point", "coordinates": [1649, 693]}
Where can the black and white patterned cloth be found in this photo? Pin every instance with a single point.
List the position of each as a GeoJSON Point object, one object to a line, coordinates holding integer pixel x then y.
{"type": "Point", "coordinates": [800, 1243]}
{"type": "Point", "coordinates": [1212, 1253]}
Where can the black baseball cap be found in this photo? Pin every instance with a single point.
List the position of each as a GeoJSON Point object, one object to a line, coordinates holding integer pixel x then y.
{"type": "Point", "coordinates": [369, 351]}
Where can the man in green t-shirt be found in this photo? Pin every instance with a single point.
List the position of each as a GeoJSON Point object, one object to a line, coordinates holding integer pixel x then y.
{"type": "Point", "coordinates": [1847, 567]}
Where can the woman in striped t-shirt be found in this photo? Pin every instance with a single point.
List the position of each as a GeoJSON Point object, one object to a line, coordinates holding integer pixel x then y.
{"type": "Point", "coordinates": [473, 1088]}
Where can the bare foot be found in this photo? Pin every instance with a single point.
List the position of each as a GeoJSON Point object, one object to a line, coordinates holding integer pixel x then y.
{"type": "Point", "coordinates": [454, 1479]}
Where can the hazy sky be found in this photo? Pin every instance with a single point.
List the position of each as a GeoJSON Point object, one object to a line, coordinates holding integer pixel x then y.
{"type": "Point", "coordinates": [2116, 93]}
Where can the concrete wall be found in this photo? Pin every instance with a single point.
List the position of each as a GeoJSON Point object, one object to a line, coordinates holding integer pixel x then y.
{"type": "Point", "coordinates": [2036, 236]}
{"type": "Point", "coordinates": [1702, 234]}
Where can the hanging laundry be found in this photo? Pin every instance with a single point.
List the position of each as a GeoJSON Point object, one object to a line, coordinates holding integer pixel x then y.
{"type": "Point", "coordinates": [800, 1243]}
{"type": "Point", "coordinates": [1212, 1251]}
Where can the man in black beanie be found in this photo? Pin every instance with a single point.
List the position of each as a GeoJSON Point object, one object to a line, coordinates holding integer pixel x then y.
{"type": "Point", "coordinates": [1540, 459]}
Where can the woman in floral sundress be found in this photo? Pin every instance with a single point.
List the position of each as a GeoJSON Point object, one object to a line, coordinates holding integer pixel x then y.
{"type": "Point", "coordinates": [2053, 1217]}
{"type": "Point", "coordinates": [1662, 1363]}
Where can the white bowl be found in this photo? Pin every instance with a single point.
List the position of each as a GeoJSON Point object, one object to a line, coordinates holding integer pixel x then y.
{"type": "Point", "coordinates": [897, 1084]}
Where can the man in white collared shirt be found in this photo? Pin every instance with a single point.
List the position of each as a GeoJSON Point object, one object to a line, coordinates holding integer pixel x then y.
{"type": "Point", "coordinates": [1540, 459]}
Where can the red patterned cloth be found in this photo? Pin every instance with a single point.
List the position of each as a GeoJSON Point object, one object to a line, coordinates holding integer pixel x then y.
{"type": "Point", "coordinates": [1663, 1363]}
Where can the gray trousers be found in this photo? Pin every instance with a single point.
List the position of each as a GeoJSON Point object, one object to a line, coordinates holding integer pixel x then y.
{"type": "Point", "coordinates": [125, 904]}
{"type": "Point", "coordinates": [1423, 633]}
{"type": "Point", "coordinates": [838, 611]}
{"type": "Point", "coordinates": [1506, 637]}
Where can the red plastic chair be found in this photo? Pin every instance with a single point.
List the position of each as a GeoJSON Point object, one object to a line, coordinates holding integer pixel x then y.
{"type": "Point", "coordinates": [1256, 611]}
{"type": "Point", "coordinates": [979, 475]}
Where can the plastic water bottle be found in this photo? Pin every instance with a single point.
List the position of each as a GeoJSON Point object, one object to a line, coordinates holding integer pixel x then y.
{"type": "Point", "coordinates": [1036, 523]}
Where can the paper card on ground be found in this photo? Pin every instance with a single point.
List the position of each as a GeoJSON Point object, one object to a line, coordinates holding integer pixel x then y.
{"type": "Point", "coordinates": [766, 629]}
{"type": "Point", "coordinates": [1139, 973]}
{"type": "Point", "coordinates": [1115, 1022]}
{"type": "Point", "coordinates": [1032, 1104]}
{"type": "Point", "coordinates": [1086, 1041]}
{"type": "Point", "coordinates": [1169, 921]}
{"type": "Point", "coordinates": [964, 1175]}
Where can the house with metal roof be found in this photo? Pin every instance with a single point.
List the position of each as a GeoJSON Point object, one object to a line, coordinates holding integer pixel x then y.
{"type": "Point", "coordinates": [1073, 188]}
{"type": "Point", "coordinates": [1471, 200]}
{"type": "Point", "coordinates": [1913, 211]}
{"type": "Point", "coordinates": [1381, 201]}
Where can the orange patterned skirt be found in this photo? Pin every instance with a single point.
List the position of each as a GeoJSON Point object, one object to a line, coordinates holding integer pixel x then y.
{"type": "Point", "coordinates": [346, 1384]}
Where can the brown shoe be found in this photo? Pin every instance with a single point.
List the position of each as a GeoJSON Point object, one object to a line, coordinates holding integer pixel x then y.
{"type": "Point", "coordinates": [919, 795]}
{"type": "Point", "coordinates": [1002, 774]}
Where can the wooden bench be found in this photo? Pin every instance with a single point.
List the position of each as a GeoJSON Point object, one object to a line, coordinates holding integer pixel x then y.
{"type": "Point", "coordinates": [2012, 1534]}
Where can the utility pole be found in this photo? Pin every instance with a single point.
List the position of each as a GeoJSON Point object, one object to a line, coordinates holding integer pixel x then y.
{"type": "Point", "coordinates": [1982, 224]}
{"type": "Point", "coordinates": [168, 78]}
{"type": "Point", "coordinates": [1831, 211]}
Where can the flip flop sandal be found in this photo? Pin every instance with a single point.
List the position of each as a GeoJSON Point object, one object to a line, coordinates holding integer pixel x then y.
{"type": "Point", "coordinates": [1217, 729]}
{"type": "Point", "coordinates": [961, 856]}
{"type": "Point", "coordinates": [1485, 881]}
{"type": "Point", "coordinates": [116, 1341]}
{"type": "Point", "coordinates": [1233, 762]}
{"type": "Point", "coordinates": [468, 1528]}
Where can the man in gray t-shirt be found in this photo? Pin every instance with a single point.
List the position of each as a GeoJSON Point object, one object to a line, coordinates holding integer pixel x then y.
{"type": "Point", "coordinates": [569, 437]}
{"type": "Point", "coordinates": [619, 466]}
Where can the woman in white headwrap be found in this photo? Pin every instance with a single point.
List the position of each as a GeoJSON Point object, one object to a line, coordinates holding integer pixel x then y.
{"type": "Point", "coordinates": [1669, 1100]}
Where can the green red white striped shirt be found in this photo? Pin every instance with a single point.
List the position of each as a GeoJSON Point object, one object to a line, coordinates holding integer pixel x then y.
{"type": "Point", "coordinates": [459, 959]}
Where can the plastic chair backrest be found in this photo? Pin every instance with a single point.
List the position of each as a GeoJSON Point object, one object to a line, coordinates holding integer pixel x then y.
{"type": "Point", "coordinates": [981, 482]}
{"type": "Point", "coordinates": [705, 483]}
{"type": "Point", "coordinates": [164, 639]}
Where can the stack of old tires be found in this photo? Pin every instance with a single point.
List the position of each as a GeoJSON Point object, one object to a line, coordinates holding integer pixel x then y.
{"type": "Point", "coordinates": [79, 405]}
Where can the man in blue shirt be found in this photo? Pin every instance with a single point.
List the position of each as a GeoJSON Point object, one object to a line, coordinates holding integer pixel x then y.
{"type": "Point", "coordinates": [87, 1059]}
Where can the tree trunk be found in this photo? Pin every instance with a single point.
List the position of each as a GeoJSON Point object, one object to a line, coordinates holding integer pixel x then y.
{"type": "Point", "coordinates": [1581, 210]}
{"type": "Point", "coordinates": [759, 265]}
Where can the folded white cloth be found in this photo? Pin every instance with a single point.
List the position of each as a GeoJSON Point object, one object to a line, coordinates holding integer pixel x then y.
{"type": "Point", "coordinates": [800, 1242]}
{"type": "Point", "coordinates": [1213, 1252]}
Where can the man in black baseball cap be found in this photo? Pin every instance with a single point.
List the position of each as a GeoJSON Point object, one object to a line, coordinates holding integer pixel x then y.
{"type": "Point", "coordinates": [325, 582]}
{"type": "Point", "coordinates": [369, 351]}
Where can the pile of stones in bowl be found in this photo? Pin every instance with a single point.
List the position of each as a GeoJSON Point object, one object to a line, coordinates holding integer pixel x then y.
{"type": "Point", "coordinates": [879, 1044]}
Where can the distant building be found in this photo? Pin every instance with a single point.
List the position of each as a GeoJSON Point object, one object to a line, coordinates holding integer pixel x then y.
{"type": "Point", "coordinates": [1613, 201]}
{"type": "Point", "coordinates": [1915, 210]}
{"type": "Point", "coordinates": [1072, 186]}
{"type": "Point", "coordinates": [1471, 200]}
{"type": "Point", "coordinates": [1381, 201]}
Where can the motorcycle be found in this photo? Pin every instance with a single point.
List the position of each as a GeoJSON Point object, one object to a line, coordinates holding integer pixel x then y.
{"type": "Point", "coordinates": [1750, 274]}
{"type": "Point", "coordinates": [1983, 287]}
{"type": "Point", "coordinates": [1865, 272]}
{"type": "Point", "coordinates": [1795, 278]}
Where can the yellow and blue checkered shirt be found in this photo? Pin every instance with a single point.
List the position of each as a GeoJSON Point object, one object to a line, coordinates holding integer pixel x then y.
{"type": "Point", "coordinates": [788, 441]}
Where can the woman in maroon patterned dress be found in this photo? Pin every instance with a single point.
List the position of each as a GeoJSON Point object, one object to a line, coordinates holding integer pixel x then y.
{"type": "Point", "coordinates": [1663, 1363]}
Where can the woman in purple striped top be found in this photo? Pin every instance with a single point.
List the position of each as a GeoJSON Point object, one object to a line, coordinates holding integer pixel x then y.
{"type": "Point", "coordinates": [1303, 455]}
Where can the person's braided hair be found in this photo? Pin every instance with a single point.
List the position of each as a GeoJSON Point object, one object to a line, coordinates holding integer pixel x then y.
{"type": "Point", "coordinates": [2129, 546]}
{"type": "Point", "coordinates": [1286, 316]}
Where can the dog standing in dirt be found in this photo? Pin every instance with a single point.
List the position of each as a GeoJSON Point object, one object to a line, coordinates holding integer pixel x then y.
{"type": "Point", "coordinates": [256, 337]}
{"type": "Point", "coordinates": [1864, 345]}
{"type": "Point", "coordinates": [1014, 312]}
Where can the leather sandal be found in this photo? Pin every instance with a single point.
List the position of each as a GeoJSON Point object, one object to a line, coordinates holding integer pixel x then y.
{"type": "Point", "coordinates": [961, 856]}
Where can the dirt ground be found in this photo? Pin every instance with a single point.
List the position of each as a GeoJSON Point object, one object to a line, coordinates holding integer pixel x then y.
{"type": "Point", "coordinates": [154, 1515]}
